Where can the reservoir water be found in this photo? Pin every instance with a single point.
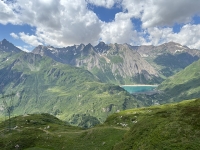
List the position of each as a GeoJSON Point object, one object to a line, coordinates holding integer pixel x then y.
{"type": "Point", "coordinates": [134, 89]}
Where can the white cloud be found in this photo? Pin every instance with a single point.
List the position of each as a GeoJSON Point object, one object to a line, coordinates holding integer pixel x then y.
{"type": "Point", "coordinates": [134, 8]}
{"type": "Point", "coordinates": [104, 3]}
{"type": "Point", "coordinates": [23, 48]}
{"type": "Point", "coordinates": [161, 12]}
{"type": "Point", "coordinates": [29, 39]}
{"type": "Point", "coordinates": [7, 15]}
{"type": "Point", "coordinates": [156, 22]}
{"type": "Point", "coordinates": [40, 13]}
{"type": "Point", "coordinates": [15, 36]}
{"type": "Point", "coordinates": [68, 22]}
{"type": "Point", "coordinates": [189, 35]}
{"type": "Point", "coordinates": [60, 22]}
{"type": "Point", "coordinates": [121, 30]}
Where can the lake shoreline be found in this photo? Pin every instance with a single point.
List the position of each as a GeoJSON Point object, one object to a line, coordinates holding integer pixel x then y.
{"type": "Point", "coordinates": [140, 88]}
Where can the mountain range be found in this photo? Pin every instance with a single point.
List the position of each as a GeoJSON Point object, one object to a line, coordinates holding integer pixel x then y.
{"type": "Point", "coordinates": [42, 85]}
{"type": "Point", "coordinates": [80, 84]}
{"type": "Point", "coordinates": [123, 63]}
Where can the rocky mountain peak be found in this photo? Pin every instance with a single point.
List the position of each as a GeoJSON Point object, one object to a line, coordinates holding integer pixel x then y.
{"type": "Point", "coordinates": [89, 45]}
{"type": "Point", "coordinates": [101, 44]}
{"type": "Point", "coordinates": [80, 47]}
{"type": "Point", "coordinates": [87, 49]}
{"type": "Point", "coordinates": [124, 63]}
{"type": "Point", "coordinates": [4, 41]}
{"type": "Point", "coordinates": [8, 47]}
{"type": "Point", "coordinates": [38, 49]}
{"type": "Point", "coordinates": [172, 43]}
{"type": "Point", "coordinates": [101, 47]}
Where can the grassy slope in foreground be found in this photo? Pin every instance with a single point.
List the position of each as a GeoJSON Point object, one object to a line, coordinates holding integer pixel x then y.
{"type": "Point", "coordinates": [171, 126]}
{"type": "Point", "coordinates": [46, 132]}
{"type": "Point", "coordinates": [183, 85]}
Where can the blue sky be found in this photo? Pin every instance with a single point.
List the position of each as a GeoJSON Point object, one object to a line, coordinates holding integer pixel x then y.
{"type": "Point", "coordinates": [62, 23]}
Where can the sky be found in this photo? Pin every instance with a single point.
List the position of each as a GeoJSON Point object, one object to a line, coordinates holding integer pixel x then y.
{"type": "Point", "coordinates": [62, 23]}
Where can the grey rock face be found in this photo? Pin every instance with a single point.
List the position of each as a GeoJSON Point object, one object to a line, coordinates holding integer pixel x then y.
{"type": "Point", "coordinates": [123, 63]}
{"type": "Point", "coordinates": [114, 63]}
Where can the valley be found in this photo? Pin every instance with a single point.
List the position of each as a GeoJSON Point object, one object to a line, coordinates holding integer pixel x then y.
{"type": "Point", "coordinates": [99, 75]}
{"type": "Point", "coordinates": [102, 97]}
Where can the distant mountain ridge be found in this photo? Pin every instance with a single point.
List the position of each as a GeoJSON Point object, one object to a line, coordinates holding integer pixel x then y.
{"type": "Point", "coordinates": [168, 58]}
{"type": "Point", "coordinates": [114, 63]}
{"type": "Point", "coordinates": [123, 63]}
{"type": "Point", "coordinates": [73, 83]}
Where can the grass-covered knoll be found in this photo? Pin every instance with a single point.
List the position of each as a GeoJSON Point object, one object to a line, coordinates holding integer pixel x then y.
{"type": "Point", "coordinates": [171, 126]}
{"type": "Point", "coordinates": [45, 132]}
{"type": "Point", "coordinates": [72, 94]}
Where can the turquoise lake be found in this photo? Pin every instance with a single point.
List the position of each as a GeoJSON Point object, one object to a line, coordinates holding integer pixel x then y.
{"type": "Point", "coordinates": [138, 88]}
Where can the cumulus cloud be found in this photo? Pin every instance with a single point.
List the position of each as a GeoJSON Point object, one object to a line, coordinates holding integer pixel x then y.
{"type": "Point", "coordinates": [189, 35]}
{"type": "Point", "coordinates": [60, 22]}
{"type": "Point", "coordinates": [104, 3]}
{"type": "Point", "coordinates": [15, 36]}
{"type": "Point", "coordinates": [80, 25]}
{"type": "Point", "coordinates": [68, 22]}
{"type": "Point", "coordinates": [7, 15]}
{"type": "Point", "coordinates": [154, 15]}
{"type": "Point", "coordinates": [134, 8]}
{"type": "Point", "coordinates": [163, 13]}
{"type": "Point", "coordinates": [121, 30]}
{"type": "Point", "coordinates": [29, 39]}
{"type": "Point", "coordinates": [40, 13]}
{"type": "Point", "coordinates": [23, 48]}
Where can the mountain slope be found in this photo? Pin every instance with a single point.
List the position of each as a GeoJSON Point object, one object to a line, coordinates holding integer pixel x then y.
{"type": "Point", "coordinates": [113, 63]}
{"type": "Point", "coordinates": [123, 63]}
{"type": "Point", "coordinates": [168, 58]}
{"type": "Point", "coordinates": [6, 47]}
{"type": "Point", "coordinates": [45, 132]}
{"type": "Point", "coordinates": [171, 126]}
{"type": "Point", "coordinates": [70, 93]}
{"type": "Point", "coordinates": [183, 85]}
